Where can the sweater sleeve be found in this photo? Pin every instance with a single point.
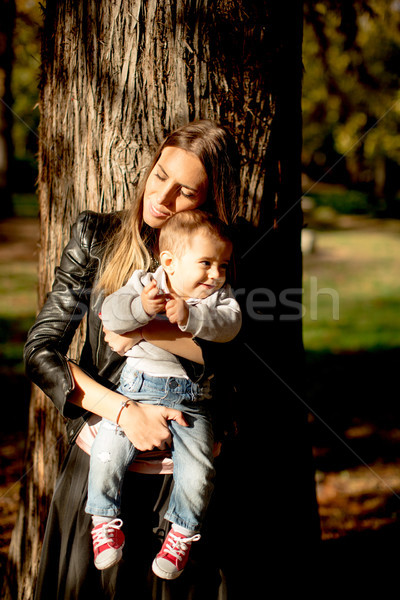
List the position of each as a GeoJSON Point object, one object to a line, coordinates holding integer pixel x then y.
{"type": "Point", "coordinates": [123, 311]}
{"type": "Point", "coordinates": [66, 305]}
{"type": "Point", "coordinates": [216, 319]}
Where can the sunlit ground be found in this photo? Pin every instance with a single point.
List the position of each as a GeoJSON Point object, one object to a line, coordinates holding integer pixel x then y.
{"type": "Point", "coordinates": [352, 338]}
{"type": "Point", "coordinates": [352, 291]}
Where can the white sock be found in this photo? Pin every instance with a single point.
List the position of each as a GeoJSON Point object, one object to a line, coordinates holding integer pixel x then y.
{"type": "Point", "coordinates": [183, 530]}
{"type": "Point", "coordinates": [98, 520]}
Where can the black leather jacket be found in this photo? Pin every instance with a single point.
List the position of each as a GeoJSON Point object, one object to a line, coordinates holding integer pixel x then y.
{"type": "Point", "coordinates": [71, 300]}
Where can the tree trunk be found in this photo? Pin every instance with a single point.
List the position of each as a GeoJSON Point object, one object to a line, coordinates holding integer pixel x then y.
{"type": "Point", "coordinates": [116, 76]}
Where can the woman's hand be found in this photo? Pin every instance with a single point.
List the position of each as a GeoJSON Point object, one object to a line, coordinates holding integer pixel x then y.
{"type": "Point", "coordinates": [146, 425]}
{"type": "Point", "coordinates": [122, 343]}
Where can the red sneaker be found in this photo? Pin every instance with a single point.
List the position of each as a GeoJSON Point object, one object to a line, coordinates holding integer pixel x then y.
{"type": "Point", "coordinates": [108, 541]}
{"type": "Point", "coordinates": [173, 556]}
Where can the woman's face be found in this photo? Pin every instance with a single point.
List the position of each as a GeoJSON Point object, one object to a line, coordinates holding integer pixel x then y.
{"type": "Point", "coordinates": [177, 182]}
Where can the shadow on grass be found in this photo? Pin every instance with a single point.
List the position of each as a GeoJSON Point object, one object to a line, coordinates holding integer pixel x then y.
{"type": "Point", "coordinates": [14, 385]}
{"type": "Point", "coordinates": [15, 391]}
{"type": "Point", "coordinates": [360, 565]}
{"type": "Point", "coordinates": [355, 429]}
{"type": "Point", "coordinates": [354, 399]}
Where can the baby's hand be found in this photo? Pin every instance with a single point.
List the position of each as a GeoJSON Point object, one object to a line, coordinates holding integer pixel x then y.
{"type": "Point", "coordinates": [153, 302]}
{"type": "Point", "coordinates": [177, 311]}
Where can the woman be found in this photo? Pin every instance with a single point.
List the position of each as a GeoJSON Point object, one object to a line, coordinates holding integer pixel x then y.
{"type": "Point", "coordinates": [197, 165]}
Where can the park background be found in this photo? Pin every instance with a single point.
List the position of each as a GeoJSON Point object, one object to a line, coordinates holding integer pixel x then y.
{"type": "Point", "coordinates": [351, 243]}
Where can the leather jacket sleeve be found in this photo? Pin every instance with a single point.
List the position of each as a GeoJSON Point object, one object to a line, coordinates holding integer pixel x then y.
{"type": "Point", "coordinates": [66, 305]}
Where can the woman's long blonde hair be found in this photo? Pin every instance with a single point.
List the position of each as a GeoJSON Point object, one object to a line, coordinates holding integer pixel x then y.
{"type": "Point", "coordinates": [127, 249]}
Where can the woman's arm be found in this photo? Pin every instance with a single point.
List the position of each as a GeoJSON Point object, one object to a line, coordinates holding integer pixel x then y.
{"type": "Point", "coordinates": [146, 426]}
{"type": "Point", "coordinates": [162, 334]}
{"type": "Point", "coordinates": [169, 337]}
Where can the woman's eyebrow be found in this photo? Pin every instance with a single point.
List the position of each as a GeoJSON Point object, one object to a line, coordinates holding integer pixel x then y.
{"type": "Point", "coordinates": [162, 169]}
{"type": "Point", "coordinates": [180, 184]}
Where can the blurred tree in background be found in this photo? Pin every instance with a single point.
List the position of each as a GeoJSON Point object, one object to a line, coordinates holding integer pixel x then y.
{"type": "Point", "coordinates": [24, 86]}
{"type": "Point", "coordinates": [351, 97]}
{"type": "Point", "coordinates": [7, 16]}
{"type": "Point", "coordinates": [19, 114]}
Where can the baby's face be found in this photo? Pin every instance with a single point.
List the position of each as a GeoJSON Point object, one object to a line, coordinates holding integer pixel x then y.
{"type": "Point", "coordinates": [201, 270]}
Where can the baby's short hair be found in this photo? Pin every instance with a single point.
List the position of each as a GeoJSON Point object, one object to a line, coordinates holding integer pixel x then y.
{"type": "Point", "coordinates": [177, 231]}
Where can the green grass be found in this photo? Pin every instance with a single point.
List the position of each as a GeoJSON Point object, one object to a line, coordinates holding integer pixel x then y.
{"type": "Point", "coordinates": [18, 289]}
{"type": "Point", "coordinates": [352, 292]}
{"type": "Point", "coordinates": [18, 293]}
{"type": "Point", "coordinates": [25, 205]}
{"type": "Point", "coordinates": [344, 202]}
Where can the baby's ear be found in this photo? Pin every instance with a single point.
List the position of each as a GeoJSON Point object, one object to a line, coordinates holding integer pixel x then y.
{"type": "Point", "coordinates": [167, 261]}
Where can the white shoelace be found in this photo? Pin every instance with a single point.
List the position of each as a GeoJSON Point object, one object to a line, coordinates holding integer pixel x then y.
{"type": "Point", "coordinates": [177, 546]}
{"type": "Point", "coordinates": [105, 533]}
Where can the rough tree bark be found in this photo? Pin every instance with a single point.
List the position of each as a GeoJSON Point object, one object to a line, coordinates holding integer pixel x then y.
{"type": "Point", "coordinates": [116, 76]}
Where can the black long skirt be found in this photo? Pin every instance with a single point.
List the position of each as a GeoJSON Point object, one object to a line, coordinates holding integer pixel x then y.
{"type": "Point", "coordinates": [67, 571]}
{"type": "Point", "coordinates": [261, 531]}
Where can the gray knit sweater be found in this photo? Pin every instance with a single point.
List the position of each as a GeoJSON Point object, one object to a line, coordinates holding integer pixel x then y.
{"type": "Point", "coordinates": [216, 318]}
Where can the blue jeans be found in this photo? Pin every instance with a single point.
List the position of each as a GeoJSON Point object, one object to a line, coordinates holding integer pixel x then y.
{"type": "Point", "coordinates": [192, 446]}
